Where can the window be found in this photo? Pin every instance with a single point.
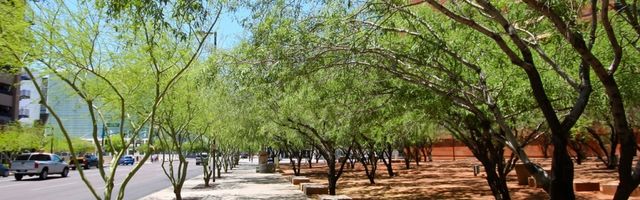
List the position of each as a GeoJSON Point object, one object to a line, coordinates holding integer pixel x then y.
{"type": "Point", "coordinates": [40, 157]}
{"type": "Point", "coordinates": [25, 77]}
{"type": "Point", "coordinates": [23, 113]}
{"type": "Point", "coordinates": [5, 88]}
{"type": "Point", "coordinates": [25, 94]}
{"type": "Point", "coordinates": [5, 111]}
{"type": "Point", "coordinates": [23, 157]}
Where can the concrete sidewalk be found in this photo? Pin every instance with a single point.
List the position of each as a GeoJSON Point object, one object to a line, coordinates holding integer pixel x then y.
{"type": "Point", "coordinates": [241, 183]}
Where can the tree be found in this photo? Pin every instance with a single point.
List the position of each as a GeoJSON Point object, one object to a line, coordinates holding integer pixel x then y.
{"type": "Point", "coordinates": [15, 139]}
{"type": "Point", "coordinates": [75, 52]}
{"type": "Point", "coordinates": [560, 16]}
{"type": "Point", "coordinates": [175, 123]}
{"type": "Point", "coordinates": [15, 37]}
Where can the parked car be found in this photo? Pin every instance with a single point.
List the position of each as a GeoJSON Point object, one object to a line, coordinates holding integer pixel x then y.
{"type": "Point", "coordinates": [41, 164]}
{"type": "Point", "coordinates": [126, 160]}
{"type": "Point", "coordinates": [4, 172]}
{"type": "Point", "coordinates": [244, 155]}
{"type": "Point", "coordinates": [86, 161]}
{"type": "Point", "coordinates": [200, 157]}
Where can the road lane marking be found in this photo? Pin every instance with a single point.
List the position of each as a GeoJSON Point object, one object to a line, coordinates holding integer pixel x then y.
{"type": "Point", "coordinates": [54, 186]}
{"type": "Point", "coordinates": [4, 186]}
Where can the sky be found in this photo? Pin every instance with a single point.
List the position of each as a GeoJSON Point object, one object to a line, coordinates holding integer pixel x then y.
{"type": "Point", "coordinates": [230, 31]}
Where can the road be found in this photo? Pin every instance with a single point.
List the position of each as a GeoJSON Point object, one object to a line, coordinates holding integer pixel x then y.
{"type": "Point", "coordinates": [150, 178]}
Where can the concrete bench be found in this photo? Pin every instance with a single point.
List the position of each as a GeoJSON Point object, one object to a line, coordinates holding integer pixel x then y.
{"type": "Point", "coordinates": [292, 176]}
{"type": "Point", "coordinates": [311, 189]}
{"type": "Point", "coordinates": [334, 197]}
{"type": "Point", "coordinates": [610, 189]}
{"type": "Point", "coordinates": [586, 186]}
{"type": "Point", "coordinates": [303, 184]}
{"type": "Point", "coordinates": [299, 179]}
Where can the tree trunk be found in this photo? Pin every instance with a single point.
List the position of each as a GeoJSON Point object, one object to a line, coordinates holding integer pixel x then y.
{"type": "Point", "coordinates": [332, 184]}
{"type": "Point", "coordinates": [561, 169]}
{"type": "Point", "coordinates": [429, 151]}
{"type": "Point", "coordinates": [545, 146]}
{"type": "Point", "coordinates": [333, 181]}
{"type": "Point", "coordinates": [389, 165]}
{"type": "Point", "coordinates": [407, 158]}
{"type": "Point", "coordinates": [365, 163]}
{"type": "Point", "coordinates": [613, 158]}
{"type": "Point", "coordinates": [604, 154]}
{"type": "Point", "coordinates": [497, 184]}
{"type": "Point", "coordinates": [577, 148]}
{"type": "Point", "coordinates": [299, 158]}
{"type": "Point", "coordinates": [178, 194]}
{"type": "Point", "coordinates": [423, 150]}
{"type": "Point", "coordinates": [416, 156]}
{"type": "Point", "coordinates": [296, 171]}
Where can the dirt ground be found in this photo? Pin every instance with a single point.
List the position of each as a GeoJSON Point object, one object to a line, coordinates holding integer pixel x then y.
{"type": "Point", "coordinates": [444, 179]}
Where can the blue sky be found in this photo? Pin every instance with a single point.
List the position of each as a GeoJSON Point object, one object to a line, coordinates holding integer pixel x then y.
{"type": "Point", "coordinates": [230, 32]}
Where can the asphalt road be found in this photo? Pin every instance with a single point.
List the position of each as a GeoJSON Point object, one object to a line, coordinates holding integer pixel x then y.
{"type": "Point", "coordinates": [150, 178]}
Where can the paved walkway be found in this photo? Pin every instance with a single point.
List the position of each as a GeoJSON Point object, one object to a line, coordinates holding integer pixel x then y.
{"type": "Point", "coordinates": [241, 183]}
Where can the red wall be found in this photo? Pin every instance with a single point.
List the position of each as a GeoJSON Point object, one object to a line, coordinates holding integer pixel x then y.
{"type": "Point", "coordinates": [446, 148]}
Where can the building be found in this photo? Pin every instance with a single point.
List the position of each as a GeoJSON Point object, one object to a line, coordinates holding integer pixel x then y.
{"type": "Point", "coordinates": [9, 97]}
{"type": "Point", "coordinates": [71, 109]}
{"type": "Point", "coordinates": [75, 116]}
{"type": "Point", "coordinates": [30, 110]}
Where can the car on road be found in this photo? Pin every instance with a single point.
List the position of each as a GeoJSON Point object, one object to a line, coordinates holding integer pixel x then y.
{"type": "Point", "coordinates": [244, 155]}
{"type": "Point", "coordinates": [126, 160]}
{"type": "Point", "coordinates": [200, 157]}
{"type": "Point", "coordinates": [40, 164]}
{"type": "Point", "coordinates": [4, 172]}
{"type": "Point", "coordinates": [86, 161]}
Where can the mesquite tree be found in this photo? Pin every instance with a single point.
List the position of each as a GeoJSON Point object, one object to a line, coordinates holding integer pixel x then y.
{"type": "Point", "coordinates": [72, 45]}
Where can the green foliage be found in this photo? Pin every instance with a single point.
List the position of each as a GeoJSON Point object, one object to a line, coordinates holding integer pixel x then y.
{"type": "Point", "coordinates": [17, 138]}
{"type": "Point", "coordinates": [15, 37]}
{"type": "Point", "coordinates": [81, 146]}
{"type": "Point", "coordinates": [113, 143]}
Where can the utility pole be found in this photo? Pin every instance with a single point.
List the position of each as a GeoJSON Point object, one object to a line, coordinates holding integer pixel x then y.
{"type": "Point", "coordinates": [213, 147]}
{"type": "Point", "coordinates": [52, 137]}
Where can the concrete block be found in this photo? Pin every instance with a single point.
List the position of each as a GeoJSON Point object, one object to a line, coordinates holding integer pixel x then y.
{"type": "Point", "coordinates": [586, 186]}
{"type": "Point", "coordinates": [298, 180]}
{"type": "Point", "coordinates": [266, 168]}
{"type": "Point", "coordinates": [334, 197]}
{"type": "Point", "coordinates": [610, 189]}
{"type": "Point", "coordinates": [303, 184]}
{"type": "Point", "coordinates": [522, 174]}
{"type": "Point", "coordinates": [533, 183]}
{"type": "Point", "coordinates": [289, 178]}
{"type": "Point", "coordinates": [311, 189]}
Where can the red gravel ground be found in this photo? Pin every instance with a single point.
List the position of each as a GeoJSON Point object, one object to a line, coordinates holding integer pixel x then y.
{"type": "Point", "coordinates": [444, 179]}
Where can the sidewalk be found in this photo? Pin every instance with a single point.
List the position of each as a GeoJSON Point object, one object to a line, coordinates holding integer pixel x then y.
{"type": "Point", "coordinates": [241, 183]}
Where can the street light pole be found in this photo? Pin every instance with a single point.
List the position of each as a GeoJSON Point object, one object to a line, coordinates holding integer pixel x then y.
{"type": "Point", "coordinates": [52, 137]}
